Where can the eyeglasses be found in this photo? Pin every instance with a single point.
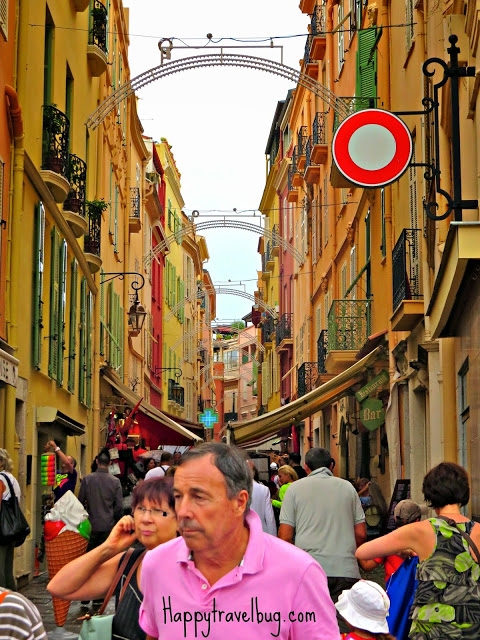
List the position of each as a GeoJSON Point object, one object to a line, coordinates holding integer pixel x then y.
{"type": "Point", "coordinates": [155, 513]}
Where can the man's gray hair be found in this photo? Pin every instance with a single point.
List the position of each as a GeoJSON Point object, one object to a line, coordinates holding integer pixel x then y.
{"type": "Point", "coordinates": [316, 458]}
{"type": "Point", "coordinates": [230, 461]}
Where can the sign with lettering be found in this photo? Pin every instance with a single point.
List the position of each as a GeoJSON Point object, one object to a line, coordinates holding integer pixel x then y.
{"type": "Point", "coordinates": [373, 384]}
{"type": "Point", "coordinates": [372, 413]}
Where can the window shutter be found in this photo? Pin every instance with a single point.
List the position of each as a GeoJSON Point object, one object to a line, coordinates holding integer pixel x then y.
{"type": "Point", "coordinates": [343, 280]}
{"type": "Point", "coordinates": [38, 264]}
{"type": "Point", "coordinates": [120, 334]}
{"type": "Point", "coordinates": [54, 304]}
{"type": "Point", "coordinates": [366, 77]}
{"type": "Point", "coordinates": [314, 232]}
{"type": "Point", "coordinates": [62, 303]}
{"type": "Point", "coordinates": [409, 23]}
{"type": "Point", "coordinates": [341, 37]}
{"type": "Point", "coordinates": [82, 336]}
{"type": "Point", "coordinates": [73, 324]}
{"type": "Point", "coordinates": [102, 317]}
{"type": "Point", "coordinates": [383, 246]}
{"type": "Point", "coordinates": [4, 18]}
{"type": "Point", "coordinates": [353, 271]}
{"type": "Point", "coordinates": [318, 319]}
{"type": "Point", "coordinates": [115, 230]}
{"type": "Point", "coordinates": [89, 349]}
{"type": "Point", "coordinates": [111, 346]}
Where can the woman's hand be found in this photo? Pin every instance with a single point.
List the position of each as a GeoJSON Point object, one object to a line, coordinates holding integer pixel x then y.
{"type": "Point", "coordinates": [122, 536]}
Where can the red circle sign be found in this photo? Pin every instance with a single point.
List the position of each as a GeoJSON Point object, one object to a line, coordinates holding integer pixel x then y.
{"type": "Point", "coordinates": [372, 148]}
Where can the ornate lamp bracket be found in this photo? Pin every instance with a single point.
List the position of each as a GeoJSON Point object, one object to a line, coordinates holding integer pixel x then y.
{"type": "Point", "coordinates": [452, 72]}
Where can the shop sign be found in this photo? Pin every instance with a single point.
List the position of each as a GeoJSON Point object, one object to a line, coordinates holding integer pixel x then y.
{"type": "Point", "coordinates": [209, 418]}
{"type": "Point", "coordinates": [372, 385]}
{"type": "Point", "coordinates": [372, 413]}
{"type": "Point", "coordinates": [8, 369]}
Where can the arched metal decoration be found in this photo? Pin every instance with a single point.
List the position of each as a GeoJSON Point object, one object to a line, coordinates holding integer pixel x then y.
{"type": "Point", "coordinates": [340, 106]}
{"type": "Point", "coordinates": [225, 224]}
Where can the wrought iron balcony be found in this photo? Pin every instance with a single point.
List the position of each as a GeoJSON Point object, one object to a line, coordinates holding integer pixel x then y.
{"type": "Point", "coordinates": [292, 195]}
{"type": "Point", "coordinates": [355, 103]}
{"type": "Point", "coordinates": [306, 378]}
{"type": "Point", "coordinates": [92, 239]}
{"type": "Point", "coordinates": [200, 404]}
{"type": "Point", "coordinates": [98, 26]}
{"type": "Point", "coordinates": [294, 160]}
{"type": "Point", "coordinates": [230, 416]}
{"type": "Point", "coordinates": [284, 328]}
{"type": "Point", "coordinates": [56, 132]}
{"type": "Point", "coordinates": [77, 177]}
{"type": "Point", "coordinates": [312, 170]}
{"type": "Point", "coordinates": [301, 140]}
{"type": "Point", "coordinates": [268, 329]}
{"type": "Point", "coordinates": [134, 202]}
{"type": "Point", "coordinates": [275, 242]}
{"type": "Point", "coordinates": [306, 55]}
{"type": "Point", "coordinates": [348, 324]}
{"type": "Point", "coordinates": [318, 21]}
{"type": "Point", "coordinates": [322, 350]}
{"type": "Point", "coordinates": [406, 268]}
{"type": "Point", "coordinates": [176, 392]}
{"type": "Point", "coordinates": [318, 130]}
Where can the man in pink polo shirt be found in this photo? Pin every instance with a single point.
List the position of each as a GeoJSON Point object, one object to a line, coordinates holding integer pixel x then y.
{"type": "Point", "coordinates": [225, 578]}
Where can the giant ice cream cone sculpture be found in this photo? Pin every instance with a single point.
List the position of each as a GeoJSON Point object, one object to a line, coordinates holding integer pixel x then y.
{"type": "Point", "coordinates": [60, 551]}
{"type": "Point", "coordinates": [66, 537]}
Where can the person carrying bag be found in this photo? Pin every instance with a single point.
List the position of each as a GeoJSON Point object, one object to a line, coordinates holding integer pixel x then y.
{"type": "Point", "coordinates": [99, 626]}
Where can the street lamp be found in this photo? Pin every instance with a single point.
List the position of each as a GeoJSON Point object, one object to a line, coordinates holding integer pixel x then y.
{"type": "Point", "coordinates": [136, 313]}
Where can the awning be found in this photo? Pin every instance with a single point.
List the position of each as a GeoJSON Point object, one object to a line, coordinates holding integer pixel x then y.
{"type": "Point", "coordinates": [296, 411]}
{"type": "Point", "coordinates": [146, 408]}
{"type": "Point", "coordinates": [52, 414]}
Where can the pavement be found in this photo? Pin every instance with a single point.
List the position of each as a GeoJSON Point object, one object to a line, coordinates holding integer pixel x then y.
{"type": "Point", "coordinates": [36, 591]}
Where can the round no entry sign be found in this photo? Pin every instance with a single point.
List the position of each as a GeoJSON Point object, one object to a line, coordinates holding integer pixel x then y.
{"type": "Point", "coordinates": [372, 148]}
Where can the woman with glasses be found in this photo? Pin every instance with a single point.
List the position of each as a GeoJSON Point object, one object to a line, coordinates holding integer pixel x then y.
{"type": "Point", "coordinates": [89, 577]}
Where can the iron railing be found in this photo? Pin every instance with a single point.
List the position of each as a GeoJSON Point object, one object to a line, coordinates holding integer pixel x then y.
{"type": "Point", "coordinates": [230, 416]}
{"type": "Point", "coordinates": [98, 26]}
{"type": "Point", "coordinates": [284, 328]}
{"type": "Point", "coordinates": [318, 21]}
{"type": "Point", "coordinates": [355, 103]}
{"type": "Point", "coordinates": [134, 202]}
{"type": "Point", "coordinates": [56, 132]}
{"type": "Point", "coordinates": [319, 132]}
{"type": "Point", "coordinates": [289, 178]}
{"type": "Point", "coordinates": [406, 268]}
{"type": "Point", "coordinates": [176, 392]}
{"type": "Point", "coordinates": [275, 236]}
{"type": "Point", "coordinates": [200, 404]}
{"type": "Point", "coordinates": [92, 239]}
{"type": "Point", "coordinates": [348, 324]}
{"type": "Point", "coordinates": [294, 160]}
{"type": "Point", "coordinates": [322, 350]}
{"type": "Point", "coordinates": [301, 140]}
{"type": "Point", "coordinates": [306, 378]}
{"type": "Point", "coordinates": [77, 177]}
{"type": "Point", "coordinates": [306, 55]}
{"type": "Point", "coordinates": [266, 257]}
{"type": "Point", "coordinates": [268, 328]}
{"type": "Point", "coordinates": [308, 153]}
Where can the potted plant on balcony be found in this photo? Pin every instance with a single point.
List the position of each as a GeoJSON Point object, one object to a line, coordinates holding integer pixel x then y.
{"type": "Point", "coordinates": [55, 125]}
{"type": "Point", "coordinates": [95, 208]}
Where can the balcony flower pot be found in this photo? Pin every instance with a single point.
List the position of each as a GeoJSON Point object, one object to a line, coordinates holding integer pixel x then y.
{"type": "Point", "coordinates": [55, 164]}
{"type": "Point", "coordinates": [72, 204]}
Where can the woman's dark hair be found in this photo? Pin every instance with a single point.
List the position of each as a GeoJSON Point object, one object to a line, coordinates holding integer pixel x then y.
{"type": "Point", "coordinates": [447, 483]}
{"type": "Point", "coordinates": [154, 490]}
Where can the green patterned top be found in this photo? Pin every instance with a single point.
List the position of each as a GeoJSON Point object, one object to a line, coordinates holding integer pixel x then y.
{"type": "Point", "coordinates": [446, 605]}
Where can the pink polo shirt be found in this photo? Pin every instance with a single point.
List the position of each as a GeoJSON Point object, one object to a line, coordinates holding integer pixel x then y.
{"type": "Point", "coordinates": [277, 591]}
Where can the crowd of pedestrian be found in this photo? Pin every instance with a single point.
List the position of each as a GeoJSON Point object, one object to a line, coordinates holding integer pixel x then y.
{"type": "Point", "coordinates": [201, 554]}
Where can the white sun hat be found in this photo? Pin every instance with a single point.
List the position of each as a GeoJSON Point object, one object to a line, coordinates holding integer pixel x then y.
{"type": "Point", "coordinates": [365, 606]}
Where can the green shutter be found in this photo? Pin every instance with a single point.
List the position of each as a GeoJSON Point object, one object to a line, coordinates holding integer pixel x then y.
{"type": "Point", "coordinates": [111, 346]}
{"type": "Point", "coordinates": [115, 230]}
{"type": "Point", "coordinates": [102, 317]}
{"type": "Point", "coordinates": [121, 329]}
{"type": "Point", "coordinates": [110, 209]}
{"type": "Point", "coordinates": [366, 78]}
{"type": "Point", "coordinates": [164, 361]}
{"type": "Point", "coordinates": [174, 286]}
{"type": "Point", "coordinates": [82, 339]}
{"type": "Point", "coordinates": [62, 304]}
{"type": "Point", "coordinates": [73, 325]}
{"type": "Point", "coordinates": [38, 263]}
{"type": "Point", "coordinates": [165, 280]}
{"type": "Point", "coordinates": [54, 304]}
{"type": "Point", "coordinates": [88, 350]}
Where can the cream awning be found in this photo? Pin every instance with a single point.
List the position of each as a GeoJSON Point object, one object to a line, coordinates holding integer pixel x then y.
{"type": "Point", "coordinates": [298, 410]}
{"type": "Point", "coordinates": [145, 407]}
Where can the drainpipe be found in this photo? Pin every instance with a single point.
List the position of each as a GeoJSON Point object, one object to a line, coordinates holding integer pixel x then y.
{"type": "Point", "coordinates": [15, 226]}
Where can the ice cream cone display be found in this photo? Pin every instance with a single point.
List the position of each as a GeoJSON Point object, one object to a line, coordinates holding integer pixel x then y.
{"type": "Point", "coordinates": [66, 538]}
{"type": "Point", "coordinates": [48, 469]}
{"type": "Point", "coordinates": [60, 551]}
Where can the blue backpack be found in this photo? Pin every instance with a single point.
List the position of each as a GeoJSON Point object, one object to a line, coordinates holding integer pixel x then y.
{"type": "Point", "coordinates": [400, 589]}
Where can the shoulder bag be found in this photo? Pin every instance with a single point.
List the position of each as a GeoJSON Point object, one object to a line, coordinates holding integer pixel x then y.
{"type": "Point", "coordinates": [13, 524]}
{"type": "Point", "coordinates": [99, 626]}
{"type": "Point", "coordinates": [401, 589]}
{"type": "Point", "coordinates": [464, 535]}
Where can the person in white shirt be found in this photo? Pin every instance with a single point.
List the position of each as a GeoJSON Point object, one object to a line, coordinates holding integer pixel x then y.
{"type": "Point", "coordinates": [165, 462]}
{"type": "Point", "coordinates": [6, 550]}
{"type": "Point", "coordinates": [19, 618]}
{"type": "Point", "coordinates": [262, 504]}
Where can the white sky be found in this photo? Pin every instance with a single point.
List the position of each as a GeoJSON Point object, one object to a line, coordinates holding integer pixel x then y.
{"type": "Point", "coordinates": [217, 119]}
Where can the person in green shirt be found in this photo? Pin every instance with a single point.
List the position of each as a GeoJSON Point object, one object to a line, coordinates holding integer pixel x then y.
{"type": "Point", "coordinates": [286, 475]}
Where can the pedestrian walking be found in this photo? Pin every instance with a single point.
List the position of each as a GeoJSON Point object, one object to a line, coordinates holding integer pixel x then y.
{"type": "Point", "coordinates": [286, 475]}
{"type": "Point", "coordinates": [294, 461]}
{"type": "Point", "coordinates": [325, 516]}
{"type": "Point", "coordinates": [365, 609]}
{"type": "Point", "coordinates": [7, 550]}
{"type": "Point", "coordinates": [224, 577]}
{"type": "Point", "coordinates": [446, 604]}
{"type": "Point", "coordinates": [153, 522]}
{"type": "Point", "coordinates": [262, 505]}
{"type": "Point", "coordinates": [66, 475]}
{"type": "Point", "coordinates": [166, 460]}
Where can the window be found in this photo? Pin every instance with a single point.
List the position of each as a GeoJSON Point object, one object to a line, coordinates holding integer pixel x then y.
{"type": "Point", "coordinates": [327, 305]}
{"type": "Point", "coordinates": [54, 303]}
{"type": "Point", "coordinates": [343, 280]}
{"type": "Point", "coordinates": [314, 231]}
{"type": "Point", "coordinates": [325, 212]}
{"type": "Point", "coordinates": [368, 272]}
{"type": "Point", "coordinates": [383, 246]}
{"type": "Point", "coordinates": [82, 339]}
{"type": "Point", "coordinates": [353, 270]}
{"type": "Point", "coordinates": [38, 266]}
{"type": "Point", "coordinates": [62, 304]}
{"type": "Point", "coordinates": [366, 72]}
{"type": "Point", "coordinates": [4, 18]}
{"type": "Point", "coordinates": [285, 218]}
{"type": "Point", "coordinates": [47, 58]}
{"type": "Point", "coordinates": [341, 37]}
{"type": "Point", "coordinates": [409, 26]}
{"type": "Point", "coordinates": [318, 319]}
{"type": "Point", "coordinates": [290, 220]}
{"type": "Point", "coordinates": [72, 342]}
